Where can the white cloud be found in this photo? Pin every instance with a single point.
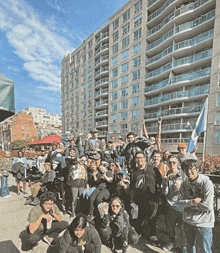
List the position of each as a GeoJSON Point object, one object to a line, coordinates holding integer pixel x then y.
{"type": "Point", "coordinates": [34, 42]}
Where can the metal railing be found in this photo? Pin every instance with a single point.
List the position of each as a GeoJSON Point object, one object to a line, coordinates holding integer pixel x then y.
{"type": "Point", "coordinates": [103, 80]}
{"type": "Point", "coordinates": [97, 51]}
{"type": "Point", "coordinates": [101, 70]}
{"type": "Point", "coordinates": [100, 113]}
{"type": "Point", "coordinates": [101, 102]}
{"type": "Point", "coordinates": [101, 59]}
{"type": "Point", "coordinates": [100, 92]}
{"type": "Point", "coordinates": [104, 35]}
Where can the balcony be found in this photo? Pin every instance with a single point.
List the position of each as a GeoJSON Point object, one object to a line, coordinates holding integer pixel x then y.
{"type": "Point", "coordinates": [101, 49]}
{"type": "Point", "coordinates": [103, 133]}
{"type": "Point", "coordinates": [179, 79]}
{"type": "Point", "coordinates": [102, 38]}
{"type": "Point", "coordinates": [103, 123]}
{"type": "Point", "coordinates": [101, 92]}
{"type": "Point", "coordinates": [177, 127]}
{"type": "Point", "coordinates": [192, 25]}
{"type": "Point", "coordinates": [178, 96]}
{"type": "Point", "coordinates": [101, 59]}
{"type": "Point", "coordinates": [178, 140]}
{"type": "Point", "coordinates": [101, 81]}
{"type": "Point", "coordinates": [184, 9]}
{"type": "Point", "coordinates": [101, 103]}
{"type": "Point", "coordinates": [101, 71]}
{"type": "Point", "coordinates": [101, 114]}
{"type": "Point", "coordinates": [180, 62]}
{"type": "Point", "coordinates": [186, 44]}
{"type": "Point", "coordinates": [173, 112]}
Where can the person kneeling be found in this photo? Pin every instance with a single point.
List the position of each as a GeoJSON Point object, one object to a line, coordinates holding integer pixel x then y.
{"type": "Point", "coordinates": [116, 231]}
{"type": "Point", "coordinates": [80, 236]}
{"type": "Point", "coordinates": [45, 221]}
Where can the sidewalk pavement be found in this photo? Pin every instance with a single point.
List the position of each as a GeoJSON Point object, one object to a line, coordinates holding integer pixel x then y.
{"type": "Point", "coordinates": [13, 219]}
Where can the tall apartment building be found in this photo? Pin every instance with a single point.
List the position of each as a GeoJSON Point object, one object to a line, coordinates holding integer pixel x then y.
{"type": "Point", "coordinates": [152, 58]}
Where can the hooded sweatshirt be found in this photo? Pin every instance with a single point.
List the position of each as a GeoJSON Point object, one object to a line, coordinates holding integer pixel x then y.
{"type": "Point", "coordinates": [202, 214]}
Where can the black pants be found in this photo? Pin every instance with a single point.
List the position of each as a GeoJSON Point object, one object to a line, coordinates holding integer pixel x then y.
{"type": "Point", "coordinates": [53, 232]}
{"type": "Point", "coordinates": [98, 196]}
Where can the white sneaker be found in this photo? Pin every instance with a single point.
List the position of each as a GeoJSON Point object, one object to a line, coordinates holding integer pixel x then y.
{"type": "Point", "coordinates": [7, 196]}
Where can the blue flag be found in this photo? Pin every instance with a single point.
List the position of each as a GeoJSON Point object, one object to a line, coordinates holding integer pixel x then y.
{"type": "Point", "coordinates": [199, 128]}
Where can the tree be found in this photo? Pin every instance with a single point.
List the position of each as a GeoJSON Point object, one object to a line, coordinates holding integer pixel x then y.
{"type": "Point", "coordinates": [18, 144]}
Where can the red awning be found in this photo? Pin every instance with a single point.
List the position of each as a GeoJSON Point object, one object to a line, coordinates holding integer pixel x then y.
{"type": "Point", "coordinates": [48, 140]}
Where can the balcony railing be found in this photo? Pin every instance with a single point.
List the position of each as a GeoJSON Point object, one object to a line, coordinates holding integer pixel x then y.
{"type": "Point", "coordinates": [178, 140]}
{"type": "Point", "coordinates": [183, 9]}
{"type": "Point", "coordinates": [174, 111]}
{"type": "Point", "coordinates": [152, 2]}
{"type": "Point", "coordinates": [180, 62]}
{"type": "Point", "coordinates": [100, 92]}
{"type": "Point", "coordinates": [181, 28]}
{"type": "Point", "coordinates": [104, 35]}
{"type": "Point", "coordinates": [168, 3]}
{"type": "Point", "coordinates": [100, 113]}
{"type": "Point", "coordinates": [106, 46]}
{"type": "Point", "coordinates": [181, 45]}
{"type": "Point", "coordinates": [103, 133]}
{"type": "Point", "coordinates": [180, 78]}
{"type": "Point", "coordinates": [101, 123]}
{"type": "Point", "coordinates": [200, 90]}
{"type": "Point", "coordinates": [170, 127]}
{"type": "Point", "coordinates": [101, 70]}
{"type": "Point", "coordinates": [101, 102]}
{"type": "Point", "coordinates": [103, 80]}
{"type": "Point", "coordinates": [101, 59]}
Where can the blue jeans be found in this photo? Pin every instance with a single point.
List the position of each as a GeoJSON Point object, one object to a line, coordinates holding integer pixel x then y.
{"type": "Point", "coordinates": [190, 234]}
{"type": "Point", "coordinates": [4, 186]}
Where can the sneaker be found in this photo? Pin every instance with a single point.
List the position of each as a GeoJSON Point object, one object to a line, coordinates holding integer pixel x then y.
{"type": "Point", "coordinates": [18, 193]}
{"type": "Point", "coordinates": [155, 241]}
{"type": "Point", "coordinates": [168, 246]}
{"type": "Point", "coordinates": [6, 196]}
{"type": "Point", "coordinates": [48, 240]}
{"type": "Point", "coordinates": [25, 193]}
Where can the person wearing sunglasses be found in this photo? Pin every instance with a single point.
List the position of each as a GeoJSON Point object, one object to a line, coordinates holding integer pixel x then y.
{"type": "Point", "coordinates": [170, 188]}
{"type": "Point", "coordinates": [116, 232]}
{"type": "Point", "coordinates": [196, 196]}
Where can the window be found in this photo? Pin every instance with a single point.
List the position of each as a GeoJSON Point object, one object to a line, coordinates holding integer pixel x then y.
{"type": "Point", "coordinates": [217, 119]}
{"type": "Point", "coordinates": [124, 128]}
{"type": "Point", "coordinates": [114, 128]}
{"type": "Point", "coordinates": [135, 88]}
{"type": "Point", "coordinates": [114, 72]}
{"type": "Point", "coordinates": [77, 63]}
{"type": "Point", "coordinates": [125, 42]}
{"type": "Point", "coordinates": [84, 58]}
{"type": "Point", "coordinates": [77, 89]}
{"type": "Point", "coordinates": [136, 62]}
{"type": "Point", "coordinates": [135, 114]}
{"type": "Point", "coordinates": [138, 6]}
{"type": "Point", "coordinates": [83, 114]}
{"type": "Point", "coordinates": [135, 101]}
{"type": "Point", "coordinates": [114, 60]}
{"type": "Point", "coordinates": [77, 72]}
{"type": "Point", "coordinates": [137, 48]}
{"type": "Point", "coordinates": [136, 75]}
{"type": "Point", "coordinates": [115, 48]}
{"type": "Point", "coordinates": [124, 115]}
{"type": "Point", "coordinates": [89, 84]}
{"type": "Point", "coordinates": [77, 82]}
{"type": "Point", "coordinates": [134, 126]}
{"type": "Point", "coordinates": [90, 44]}
{"type": "Point", "coordinates": [216, 136]}
{"type": "Point", "coordinates": [137, 20]}
{"type": "Point", "coordinates": [89, 64]}
{"type": "Point", "coordinates": [84, 96]}
{"type": "Point", "coordinates": [124, 80]}
{"type": "Point", "coordinates": [89, 104]}
{"type": "Point", "coordinates": [124, 104]}
{"type": "Point", "coordinates": [218, 100]}
{"type": "Point", "coordinates": [114, 84]}
{"type": "Point", "coordinates": [124, 92]}
{"type": "Point", "coordinates": [137, 34]}
{"type": "Point", "coordinates": [126, 15]}
{"type": "Point", "coordinates": [90, 74]}
{"type": "Point", "coordinates": [124, 67]}
{"type": "Point", "coordinates": [90, 113]}
{"type": "Point", "coordinates": [114, 95]}
{"type": "Point", "coordinates": [125, 54]}
{"type": "Point", "coordinates": [89, 122]}
{"type": "Point", "coordinates": [114, 117]}
{"type": "Point", "coordinates": [89, 93]}
{"type": "Point", "coordinates": [84, 78]}
{"type": "Point", "coordinates": [116, 24]}
{"type": "Point", "coordinates": [126, 29]}
{"type": "Point", "coordinates": [84, 68]}
{"type": "Point", "coordinates": [84, 106]}
{"type": "Point", "coordinates": [84, 87]}
{"type": "Point", "coordinates": [90, 54]}
{"type": "Point", "coordinates": [78, 55]}
{"type": "Point", "coordinates": [114, 107]}
{"type": "Point", "coordinates": [115, 36]}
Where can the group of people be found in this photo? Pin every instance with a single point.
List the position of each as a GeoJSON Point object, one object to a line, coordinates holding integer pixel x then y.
{"type": "Point", "coordinates": [114, 192]}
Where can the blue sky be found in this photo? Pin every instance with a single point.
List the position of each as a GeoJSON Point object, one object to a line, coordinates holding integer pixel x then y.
{"type": "Point", "coordinates": [34, 36]}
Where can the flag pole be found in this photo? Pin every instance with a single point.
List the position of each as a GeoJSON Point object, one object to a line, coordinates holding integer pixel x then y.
{"type": "Point", "coordinates": [204, 143]}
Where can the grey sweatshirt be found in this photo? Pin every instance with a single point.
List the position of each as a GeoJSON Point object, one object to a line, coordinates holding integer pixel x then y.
{"type": "Point", "coordinates": [202, 214]}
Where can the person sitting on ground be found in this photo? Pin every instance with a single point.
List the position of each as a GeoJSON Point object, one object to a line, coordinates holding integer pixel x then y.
{"type": "Point", "coordinates": [21, 177]}
{"type": "Point", "coordinates": [46, 184]}
{"type": "Point", "coordinates": [170, 188]}
{"type": "Point", "coordinates": [45, 221]}
{"type": "Point", "coordinates": [116, 231]}
{"type": "Point", "coordinates": [5, 168]}
{"type": "Point", "coordinates": [101, 193]}
{"type": "Point", "coordinates": [80, 236]}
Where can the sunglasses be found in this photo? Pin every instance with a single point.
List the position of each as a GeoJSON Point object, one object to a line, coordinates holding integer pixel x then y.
{"type": "Point", "coordinates": [173, 162]}
{"type": "Point", "coordinates": [116, 206]}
